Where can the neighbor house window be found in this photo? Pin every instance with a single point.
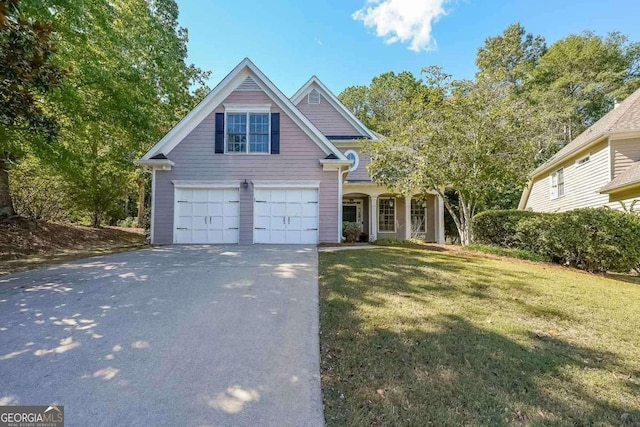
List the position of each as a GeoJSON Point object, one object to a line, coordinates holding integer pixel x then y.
{"type": "Point", "coordinates": [386, 215]}
{"type": "Point", "coordinates": [583, 160]}
{"type": "Point", "coordinates": [248, 133]}
{"type": "Point", "coordinates": [557, 184]}
{"type": "Point", "coordinates": [418, 220]}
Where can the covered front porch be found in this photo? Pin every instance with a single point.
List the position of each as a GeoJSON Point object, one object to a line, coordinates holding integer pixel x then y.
{"type": "Point", "coordinates": [382, 215]}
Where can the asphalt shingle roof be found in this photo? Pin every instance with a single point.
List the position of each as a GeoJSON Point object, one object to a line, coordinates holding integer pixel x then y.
{"type": "Point", "coordinates": [625, 117]}
{"type": "Point", "coordinates": [629, 176]}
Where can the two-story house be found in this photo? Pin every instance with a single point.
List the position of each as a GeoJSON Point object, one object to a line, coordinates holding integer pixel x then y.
{"type": "Point", "coordinates": [601, 167]}
{"type": "Point", "coordinates": [249, 165]}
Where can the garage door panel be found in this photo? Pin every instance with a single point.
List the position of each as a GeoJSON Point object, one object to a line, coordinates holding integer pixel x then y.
{"type": "Point", "coordinates": [200, 209]}
{"type": "Point", "coordinates": [278, 209]}
{"type": "Point", "coordinates": [309, 210]}
{"type": "Point", "coordinates": [230, 222]}
{"type": "Point", "coordinates": [309, 223]}
{"type": "Point", "coordinates": [203, 216]}
{"type": "Point", "coordinates": [278, 196]}
{"type": "Point", "coordinates": [277, 223]}
{"type": "Point", "coordinates": [309, 237]}
{"type": "Point", "coordinates": [231, 209]}
{"type": "Point", "coordinates": [293, 209]}
{"type": "Point", "coordinates": [286, 216]}
{"type": "Point", "coordinates": [310, 196]}
{"type": "Point", "coordinates": [200, 195]}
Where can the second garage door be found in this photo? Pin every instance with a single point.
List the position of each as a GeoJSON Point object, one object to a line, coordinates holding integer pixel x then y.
{"type": "Point", "coordinates": [285, 216]}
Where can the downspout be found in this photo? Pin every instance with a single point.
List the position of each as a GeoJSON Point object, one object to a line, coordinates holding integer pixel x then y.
{"type": "Point", "coordinates": [341, 176]}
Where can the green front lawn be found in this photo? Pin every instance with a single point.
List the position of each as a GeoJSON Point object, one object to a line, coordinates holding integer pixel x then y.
{"type": "Point", "coordinates": [419, 337]}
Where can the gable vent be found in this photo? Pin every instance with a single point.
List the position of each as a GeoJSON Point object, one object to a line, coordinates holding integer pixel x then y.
{"type": "Point", "coordinates": [248, 85]}
{"type": "Point", "coordinates": [314, 97]}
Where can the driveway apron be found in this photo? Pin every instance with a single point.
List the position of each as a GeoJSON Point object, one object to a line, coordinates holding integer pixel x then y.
{"type": "Point", "coordinates": [179, 335]}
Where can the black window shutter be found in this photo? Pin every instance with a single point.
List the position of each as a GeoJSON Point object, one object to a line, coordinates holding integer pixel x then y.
{"type": "Point", "coordinates": [219, 133]}
{"type": "Point", "coordinates": [275, 133]}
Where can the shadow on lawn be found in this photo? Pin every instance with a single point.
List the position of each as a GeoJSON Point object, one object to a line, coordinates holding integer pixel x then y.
{"type": "Point", "coordinates": [442, 369]}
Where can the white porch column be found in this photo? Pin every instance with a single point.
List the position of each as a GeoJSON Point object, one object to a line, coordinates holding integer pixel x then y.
{"type": "Point", "coordinates": [373, 217]}
{"type": "Point", "coordinates": [439, 220]}
{"type": "Point", "coordinates": [407, 217]}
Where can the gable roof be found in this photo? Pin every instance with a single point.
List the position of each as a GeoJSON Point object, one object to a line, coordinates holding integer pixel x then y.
{"type": "Point", "coordinates": [315, 83]}
{"type": "Point", "coordinates": [624, 118]}
{"type": "Point", "coordinates": [235, 78]}
{"type": "Point", "coordinates": [629, 177]}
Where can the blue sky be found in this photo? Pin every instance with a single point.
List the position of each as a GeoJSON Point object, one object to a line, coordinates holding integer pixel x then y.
{"type": "Point", "coordinates": [291, 40]}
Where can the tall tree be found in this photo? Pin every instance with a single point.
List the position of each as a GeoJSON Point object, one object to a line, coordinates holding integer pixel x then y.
{"type": "Point", "coordinates": [129, 84]}
{"type": "Point", "coordinates": [27, 71]}
{"type": "Point", "coordinates": [374, 104]}
{"type": "Point", "coordinates": [511, 56]}
{"type": "Point", "coordinates": [471, 137]}
{"type": "Point", "coordinates": [580, 78]}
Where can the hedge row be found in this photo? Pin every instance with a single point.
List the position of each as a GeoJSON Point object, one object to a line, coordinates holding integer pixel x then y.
{"type": "Point", "coordinates": [595, 240]}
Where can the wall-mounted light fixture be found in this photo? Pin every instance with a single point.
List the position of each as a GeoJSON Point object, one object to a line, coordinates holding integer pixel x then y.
{"type": "Point", "coordinates": [245, 184]}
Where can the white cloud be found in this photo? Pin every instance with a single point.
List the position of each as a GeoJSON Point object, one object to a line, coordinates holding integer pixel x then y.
{"type": "Point", "coordinates": [403, 20]}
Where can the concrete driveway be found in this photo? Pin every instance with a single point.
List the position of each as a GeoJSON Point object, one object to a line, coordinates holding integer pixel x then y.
{"type": "Point", "coordinates": [197, 336]}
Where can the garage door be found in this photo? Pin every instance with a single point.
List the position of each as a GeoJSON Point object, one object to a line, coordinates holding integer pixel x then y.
{"type": "Point", "coordinates": [207, 215]}
{"type": "Point", "coordinates": [285, 216]}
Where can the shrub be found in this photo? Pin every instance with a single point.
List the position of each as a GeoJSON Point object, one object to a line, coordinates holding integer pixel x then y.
{"type": "Point", "coordinates": [498, 227]}
{"type": "Point", "coordinates": [595, 240]}
{"type": "Point", "coordinates": [129, 222]}
{"type": "Point", "coordinates": [350, 231]}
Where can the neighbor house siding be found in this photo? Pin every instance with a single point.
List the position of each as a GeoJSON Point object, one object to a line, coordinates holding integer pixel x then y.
{"type": "Point", "coordinates": [298, 160]}
{"type": "Point", "coordinates": [582, 183]}
{"type": "Point", "coordinates": [326, 118]}
{"type": "Point", "coordinates": [625, 152]}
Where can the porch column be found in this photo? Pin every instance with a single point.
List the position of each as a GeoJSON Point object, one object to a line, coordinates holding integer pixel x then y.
{"type": "Point", "coordinates": [373, 217]}
{"type": "Point", "coordinates": [439, 220]}
{"type": "Point", "coordinates": [407, 217]}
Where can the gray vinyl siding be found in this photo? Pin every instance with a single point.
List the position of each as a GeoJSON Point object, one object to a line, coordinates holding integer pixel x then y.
{"type": "Point", "coordinates": [326, 118]}
{"type": "Point", "coordinates": [195, 159]}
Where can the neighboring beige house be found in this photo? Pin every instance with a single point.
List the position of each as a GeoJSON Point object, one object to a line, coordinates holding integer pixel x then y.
{"type": "Point", "coordinates": [601, 167]}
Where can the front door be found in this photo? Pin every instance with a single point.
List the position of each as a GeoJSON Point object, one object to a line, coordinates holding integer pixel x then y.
{"type": "Point", "coordinates": [352, 211]}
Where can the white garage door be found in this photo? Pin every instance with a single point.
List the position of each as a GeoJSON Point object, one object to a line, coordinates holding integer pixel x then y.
{"type": "Point", "coordinates": [285, 216]}
{"type": "Point", "coordinates": [207, 215]}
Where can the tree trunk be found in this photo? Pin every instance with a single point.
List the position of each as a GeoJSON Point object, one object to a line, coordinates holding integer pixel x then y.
{"type": "Point", "coordinates": [6, 204]}
{"type": "Point", "coordinates": [141, 188]}
{"type": "Point", "coordinates": [95, 219]}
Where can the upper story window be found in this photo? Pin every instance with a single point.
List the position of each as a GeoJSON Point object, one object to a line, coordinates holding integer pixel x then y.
{"type": "Point", "coordinates": [583, 160]}
{"type": "Point", "coordinates": [248, 132]}
{"type": "Point", "coordinates": [557, 183]}
{"type": "Point", "coordinates": [313, 97]}
{"type": "Point", "coordinates": [355, 160]}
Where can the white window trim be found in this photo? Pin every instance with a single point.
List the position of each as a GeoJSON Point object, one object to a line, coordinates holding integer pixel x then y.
{"type": "Point", "coordinates": [356, 162]}
{"type": "Point", "coordinates": [247, 113]}
{"type": "Point", "coordinates": [395, 214]}
{"type": "Point", "coordinates": [583, 160]}
{"type": "Point", "coordinates": [205, 184]}
{"type": "Point", "coordinates": [556, 194]}
{"type": "Point", "coordinates": [253, 108]}
{"type": "Point", "coordinates": [309, 97]}
{"type": "Point", "coordinates": [286, 184]}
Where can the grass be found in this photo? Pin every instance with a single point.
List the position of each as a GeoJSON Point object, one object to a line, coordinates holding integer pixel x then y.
{"type": "Point", "coordinates": [417, 337]}
{"type": "Point", "coordinates": [511, 253]}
